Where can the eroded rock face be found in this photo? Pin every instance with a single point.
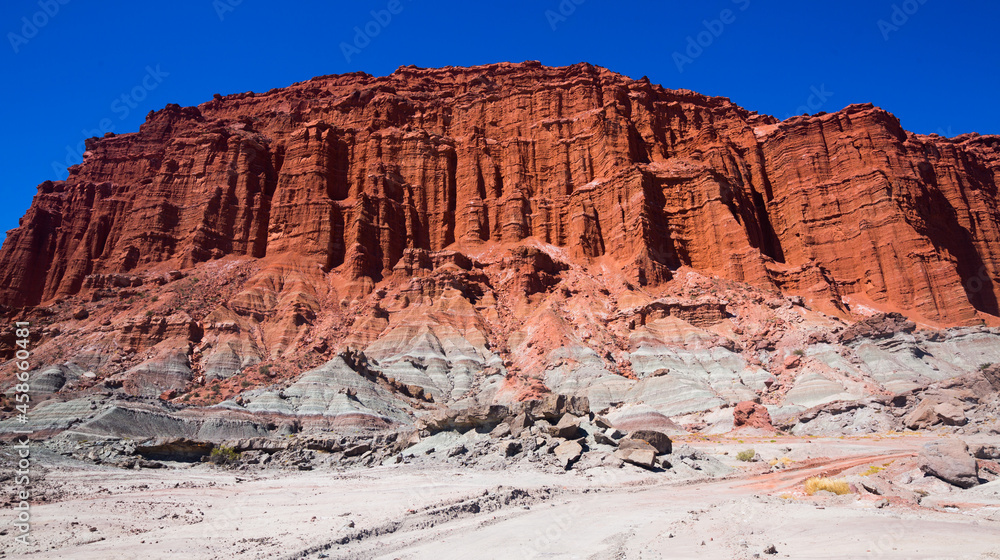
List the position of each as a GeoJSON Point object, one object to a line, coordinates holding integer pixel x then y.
{"type": "Point", "coordinates": [752, 415]}
{"type": "Point", "coordinates": [355, 251]}
{"type": "Point", "coordinates": [350, 172]}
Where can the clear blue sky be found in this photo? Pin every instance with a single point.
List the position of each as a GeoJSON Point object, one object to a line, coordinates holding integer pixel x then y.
{"type": "Point", "coordinates": [937, 67]}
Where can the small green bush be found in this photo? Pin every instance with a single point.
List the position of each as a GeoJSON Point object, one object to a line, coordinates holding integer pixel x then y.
{"type": "Point", "coordinates": [223, 455]}
{"type": "Point", "coordinates": [746, 455]}
{"type": "Point", "coordinates": [799, 352]}
{"type": "Point", "coordinates": [872, 470]}
{"type": "Point", "coordinates": [265, 370]}
{"type": "Point", "coordinates": [984, 367]}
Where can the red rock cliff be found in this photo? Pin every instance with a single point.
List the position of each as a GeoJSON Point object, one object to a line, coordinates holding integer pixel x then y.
{"type": "Point", "coordinates": [346, 172]}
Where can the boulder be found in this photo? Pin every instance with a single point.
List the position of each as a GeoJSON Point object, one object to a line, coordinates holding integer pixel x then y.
{"type": "Point", "coordinates": [950, 414]}
{"type": "Point", "coordinates": [549, 407]}
{"type": "Point", "coordinates": [986, 451]}
{"type": "Point", "coordinates": [602, 422]}
{"type": "Point", "coordinates": [922, 416]}
{"type": "Point", "coordinates": [501, 431]}
{"type": "Point", "coordinates": [357, 450]}
{"type": "Point", "coordinates": [463, 419]}
{"type": "Point", "coordinates": [320, 443]}
{"type": "Point", "coordinates": [950, 461]}
{"type": "Point", "coordinates": [567, 428]}
{"type": "Point", "coordinates": [568, 452]}
{"type": "Point", "coordinates": [552, 407]}
{"type": "Point", "coordinates": [511, 448]}
{"type": "Point", "coordinates": [752, 415]}
{"type": "Point", "coordinates": [604, 438]}
{"type": "Point", "coordinates": [518, 424]}
{"type": "Point", "coordinates": [636, 451]}
{"type": "Point", "coordinates": [658, 440]}
{"type": "Point", "coordinates": [932, 411]}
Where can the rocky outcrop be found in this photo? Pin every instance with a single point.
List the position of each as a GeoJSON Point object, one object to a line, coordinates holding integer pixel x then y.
{"type": "Point", "coordinates": [932, 411]}
{"type": "Point", "coordinates": [950, 461]}
{"type": "Point", "coordinates": [174, 449]}
{"type": "Point", "coordinates": [751, 415]}
{"type": "Point", "coordinates": [883, 325]}
{"type": "Point", "coordinates": [350, 172]}
{"type": "Point", "coordinates": [359, 253]}
{"type": "Point", "coordinates": [992, 374]}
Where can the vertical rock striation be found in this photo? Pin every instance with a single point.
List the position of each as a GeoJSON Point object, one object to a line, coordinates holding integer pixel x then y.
{"type": "Point", "coordinates": [345, 174]}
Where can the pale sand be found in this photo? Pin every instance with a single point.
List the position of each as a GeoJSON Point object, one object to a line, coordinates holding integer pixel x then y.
{"type": "Point", "coordinates": [442, 512]}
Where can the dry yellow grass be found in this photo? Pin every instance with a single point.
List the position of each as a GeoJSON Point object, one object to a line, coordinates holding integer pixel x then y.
{"type": "Point", "coordinates": [817, 483]}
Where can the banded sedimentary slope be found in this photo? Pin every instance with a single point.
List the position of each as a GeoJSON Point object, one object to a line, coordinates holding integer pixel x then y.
{"type": "Point", "coordinates": [475, 235]}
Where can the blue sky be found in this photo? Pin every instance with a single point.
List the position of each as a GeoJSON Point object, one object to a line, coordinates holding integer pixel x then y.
{"type": "Point", "coordinates": [68, 63]}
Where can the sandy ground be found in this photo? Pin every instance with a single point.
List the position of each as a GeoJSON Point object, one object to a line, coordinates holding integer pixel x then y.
{"type": "Point", "coordinates": [441, 512]}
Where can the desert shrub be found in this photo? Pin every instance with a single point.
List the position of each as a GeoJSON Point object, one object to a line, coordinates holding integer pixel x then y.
{"type": "Point", "coordinates": [984, 367]}
{"type": "Point", "coordinates": [799, 352]}
{"type": "Point", "coordinates": [784, 462]}
{"type": "Point", "coordinates": [817, 483]}
{"type": "Point", "coordinates": [746, 455]}
{"type": "Point", "coordinates": [265, 370]}
{"type": "Point", "coordinates": [224, 455]}
{"type": "Point", "coordinates": [873, 470]}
